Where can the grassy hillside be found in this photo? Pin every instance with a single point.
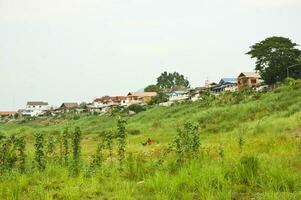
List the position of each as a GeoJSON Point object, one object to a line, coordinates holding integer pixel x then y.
{"type": "Point", "coordinates": [250, 149]}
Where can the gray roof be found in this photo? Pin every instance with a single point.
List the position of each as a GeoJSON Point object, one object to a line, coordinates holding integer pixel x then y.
{"type": "Point", "coordinates": [37, 103]}
{"type": "Point", "coordinates": [69, 105]}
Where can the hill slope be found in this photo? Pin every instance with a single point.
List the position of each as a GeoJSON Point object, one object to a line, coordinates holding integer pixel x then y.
{"type": "Point", "coordinates": [250, 149]}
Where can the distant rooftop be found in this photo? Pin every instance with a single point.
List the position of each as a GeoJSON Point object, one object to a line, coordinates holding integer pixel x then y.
{"type": "Point", "coordinates": [37, 103]}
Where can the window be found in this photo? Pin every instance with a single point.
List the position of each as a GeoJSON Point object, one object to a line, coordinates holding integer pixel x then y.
{"type": "Point", "coordinates": [253, 81]}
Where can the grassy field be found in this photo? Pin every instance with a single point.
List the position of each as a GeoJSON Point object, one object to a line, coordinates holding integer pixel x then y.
{"type": "Point", "coordinates": [250, 149]}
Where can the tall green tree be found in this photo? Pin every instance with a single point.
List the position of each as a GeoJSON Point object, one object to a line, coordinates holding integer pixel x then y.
{"type": "Point", "coordinates": [152, 88]}
{"type": "Point", "coordinates": [172, 80]}
{"type": "Point", "coordinates": [273, 56]}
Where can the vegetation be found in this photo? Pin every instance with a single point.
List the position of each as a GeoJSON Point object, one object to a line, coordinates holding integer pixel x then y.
{"type": "Point", "coordinates": [273, 56]}
{"type": "Point", "coordinates": [172, 80]}
{"type": "Point", "coordinates": [243, 145]}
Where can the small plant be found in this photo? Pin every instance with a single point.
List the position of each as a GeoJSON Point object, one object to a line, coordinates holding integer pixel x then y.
{"type": "Point", "coordinates": [50, 150]}
{"type": "Point", "coordinates": [108, 142]}
{"type": "Point", "coordinates": [65, 147]}
{"type": "Point", "coordinates": [97, 158]}
{"type": "Point", "coordinates": [21, 145]}
{"type": "Point", "coordinates": [76, 138]}
{"type": "Point", "coordinates": [187, 143]}
{"type": "Point", "coordinates": [39, 151]}
{"type": "Point", "coordinates": [121, 138]}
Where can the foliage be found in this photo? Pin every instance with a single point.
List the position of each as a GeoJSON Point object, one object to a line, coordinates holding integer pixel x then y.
{"type": "Point", "coordinates": [273, 56]}
{"type": "Point", "coordinates": [76, 138]}
{"type": "Point", "coordinates": [187, 142]}
{"type": "Point", "coordinates": [20, 147]}
{"type": "Point", "coordinates": [121, 138]}
{"type": "Point", "coordinates": [172, 80]}
{"type": "Point", "coordinates": [136, 108]}
{"type": "Point", "coordinates": [152, 88]}
{"type": "Point", "coordinates": [83, 105]}
{"type": "Point", "coordinates": [50, 149]}
{"type": "Point", "coordinates": [98, 157]}
{"type": "Point", "coordinates": [161, 97]}
{"type": "Point", "coordinates": [65, 147]}
{"type": "Point", "coordinates": [268, 167]}
{"type": "Point", "coordinates": [109, 136]}
{"type": "Point", "coordinates": [39, 151]}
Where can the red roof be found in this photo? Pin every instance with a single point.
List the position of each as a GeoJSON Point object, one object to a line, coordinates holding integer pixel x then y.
{"type": "Point", "coordinates": [110, 99]}
{"type": "Point", "coordinates": [6, 113]}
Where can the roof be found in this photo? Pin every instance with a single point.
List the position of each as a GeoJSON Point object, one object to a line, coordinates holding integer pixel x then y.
{"type": "Point", "coordinates": [142, 94]}
{"type": "Point", "coordinates": [250, 74]}
{"type": "Point", "coordinates": [5, 113]}
{"type": "Point", "coordinates": [112, 99]}
{"type": "Point", "coordinates": [228, 80]}
{"type": "Point", "coordinates": [69, 105]}
{"type": "Point", "coordinates": [179, 92]}
{"type": "Point", "coordinates": [37, 103]}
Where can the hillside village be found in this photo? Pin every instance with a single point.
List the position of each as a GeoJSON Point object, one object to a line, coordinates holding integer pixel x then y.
{"type": "Point", "coordinates": [107, 103]}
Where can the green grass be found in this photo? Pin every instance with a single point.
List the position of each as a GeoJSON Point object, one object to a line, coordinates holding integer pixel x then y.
{"type": "Point", "coordinates": [266, 166]}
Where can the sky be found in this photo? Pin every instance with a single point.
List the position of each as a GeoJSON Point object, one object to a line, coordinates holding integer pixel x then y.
{"type": "Point", "coordinates": [75, 50]}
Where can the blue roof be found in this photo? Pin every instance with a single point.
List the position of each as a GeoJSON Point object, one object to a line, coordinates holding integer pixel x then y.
{"type": "Point", "coordinates": [228, 80]}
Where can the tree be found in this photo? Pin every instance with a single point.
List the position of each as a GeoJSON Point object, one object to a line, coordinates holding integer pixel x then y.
{"type": "Point", "coordinates": [273, 56]}
{"type": "Point", "coordinates": [152, 88]}
{"type": "Point", "coordinates": [172, 80]}
{"type": "Point", "coordinates": [83, 105]}
{"type": "Point", "coordinates": [161, 97]}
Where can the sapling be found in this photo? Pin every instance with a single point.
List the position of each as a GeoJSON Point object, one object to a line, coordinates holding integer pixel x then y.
{"type": "Point", "coordinates": [76, 138]}
{"type": "Point", "coordinates": [187, 142]}
{"type": "Point", "coordinates": [97, 158]}
{"type": "Point", "coordinates": [108, 142]}
{"type": "Point", "coordinates": [39, 151]}
{"type": "Point", "coordinates": [50, 151]}
{"type": "Point", "coordinates": [65, 147]}
{"type": "Point", "coordinates": [21, 145]}
{"type": "Point", "coordinates": [121, 138]}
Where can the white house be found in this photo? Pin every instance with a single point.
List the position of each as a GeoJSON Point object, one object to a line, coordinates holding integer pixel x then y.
{"type": "Point", "coordinates": [35, 108]}
{"type": "Point", "coordinates": [178, 96]}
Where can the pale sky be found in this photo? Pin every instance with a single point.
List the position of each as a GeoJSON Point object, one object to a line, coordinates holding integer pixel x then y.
{"type": "Point", "coordinates": [75, 50]}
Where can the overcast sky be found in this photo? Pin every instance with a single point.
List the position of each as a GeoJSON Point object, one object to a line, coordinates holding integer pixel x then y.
{"type": "Point", "coordinates": [75, 50]}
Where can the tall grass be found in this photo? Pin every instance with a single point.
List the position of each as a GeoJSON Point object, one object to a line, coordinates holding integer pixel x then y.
{"type": "Point", "coordinates": [266, 165]}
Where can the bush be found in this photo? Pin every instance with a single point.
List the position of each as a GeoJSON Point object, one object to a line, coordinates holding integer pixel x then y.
{"type": "Point", "coordinates": [134, 132]}
{"type": "Point", "coordinates": [136, 108]}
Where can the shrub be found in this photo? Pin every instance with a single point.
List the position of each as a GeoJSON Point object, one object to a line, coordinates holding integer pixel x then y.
{"type": "Point", "coordinates": [136, 108]}
{"type": "Point", "coordinates": [187, 142]}
{"type": "Point", "coordinates": [134, 132]}
{"type": "Point", "coordinates": [121, 138]}
{"type": "Point", "coordinates": [39, 151]}
{"type": "Point", "coordinates": [76, 138]}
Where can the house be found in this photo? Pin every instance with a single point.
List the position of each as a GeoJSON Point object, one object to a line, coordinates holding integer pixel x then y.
{"type": "Point", "coordinates": [105, 104]}
{"type": "Point", "coordinates": [69, 106]}
{"type": "Point", "coordinates": [226, 84]}
{"type": "Point", "coordinates": [209, 84]}
{"type": "Point", "coordinates": [35, 108]}
{"type": "Point", "coordinates": [248, 80]}
{"type": "Point", "coordinates": [8, 113]}
{"type": "Point", "coordinates": [176, 96]}
{"type": "Point", "coordinates": [139, 97]}
{"type": "Point", "coordinates": [109, 101]}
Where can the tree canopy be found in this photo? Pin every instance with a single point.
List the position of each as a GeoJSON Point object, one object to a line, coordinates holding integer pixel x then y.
{"type": "Point", "coordinates": [172, 80]}
{"type": "Point", "coordinates": [152, 88]}
{"type": "Point", "coordinates": [273, 56]}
